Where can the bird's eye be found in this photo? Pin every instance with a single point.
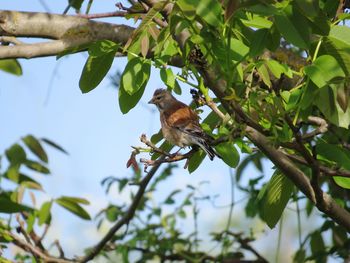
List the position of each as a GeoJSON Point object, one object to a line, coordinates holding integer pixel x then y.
{"type": "Point", "coordinates": [158, 98]}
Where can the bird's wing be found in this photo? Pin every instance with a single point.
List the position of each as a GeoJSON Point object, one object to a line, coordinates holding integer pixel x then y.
{"type": "Point", "coordinates": [183, 118]}
{"type": "Point", "coordinates": [180, 115]}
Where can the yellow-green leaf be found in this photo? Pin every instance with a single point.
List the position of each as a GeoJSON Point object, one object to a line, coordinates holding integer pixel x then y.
{"type": "Point", "coordinates": [11, 66]}
{"type": "Point", "coordinates": [34, 145]}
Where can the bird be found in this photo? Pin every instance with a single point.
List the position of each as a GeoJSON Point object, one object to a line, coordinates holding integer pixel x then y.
{"type": "Point", "coordinates": [180, 124]}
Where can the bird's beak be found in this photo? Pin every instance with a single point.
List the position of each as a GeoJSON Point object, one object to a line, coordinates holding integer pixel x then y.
{"type": "Point", "coordinates": [151, 101]}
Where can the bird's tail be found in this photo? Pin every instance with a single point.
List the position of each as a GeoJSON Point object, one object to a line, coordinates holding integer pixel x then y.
{"type": "Point", "coordinates": [208, 149]}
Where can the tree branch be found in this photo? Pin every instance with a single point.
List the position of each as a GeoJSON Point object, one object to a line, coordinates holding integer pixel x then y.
{"type": "Point", "coordinates": [68, 31]}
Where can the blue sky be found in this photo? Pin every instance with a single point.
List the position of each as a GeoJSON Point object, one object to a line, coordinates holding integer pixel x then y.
{"type": "Point", "coordinates": [98, 138]}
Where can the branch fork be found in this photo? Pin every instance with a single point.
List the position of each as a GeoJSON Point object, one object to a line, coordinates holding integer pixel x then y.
{"type": "Point", "coordinates": [169, 157]}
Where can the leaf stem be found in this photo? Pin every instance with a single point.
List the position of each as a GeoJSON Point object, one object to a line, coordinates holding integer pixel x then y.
{"type": "Point", "coordinates": [317, 49]}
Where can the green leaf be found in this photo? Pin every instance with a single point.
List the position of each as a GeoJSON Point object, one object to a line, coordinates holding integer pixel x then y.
{"type": "Point", "coordinates": [5, 237]}
{"type": "Point", "coordinates": [299, 256]}
{"type": "Point", "coordinates": [342, 181]}
{"type": "Point", "coordinates": [333, 153]}
{"type": "Point", "coordinates": [263, 9]}
{"type": "Point", "coordinates": [264, 74]}
{"type": "Point", "coordinates": [76, 200]}
{"type": "Point", "coordinates": [94, 71]}
{"type": "Point", "coordinates": [136, 75]}
{"type": "Point", "coordinates": [54, 145]}
{"type": "Point", "coordinates": [127, 102]}
{"type": "Point", "coordinates": [32, 185]}
{"type": "Point", "coordinates": [318, 21]}
{"type": "Point", "coordinates": [320, 24]}
{"type": "Point", "coordinates": [102, 47]}
{"type": "Point", "coordinates": [157, 137]}
{"type": "Point", "coordinates": [182, 213]}
{"type": "Point", "coordinates": [256, 21]}
{"type": "Point", "coordinates": [229, 153]}
{"type": "Point", "coordinates": [274, 39]}
{"type": "Point", "coordinates": [122, 183]}
{"type": "Point", "coordinates": [97, 65]}
{"type": "Point", "coordinates": [112, 213]}
{"type": "Point", "coordinates": [309, 93]}
{"type": "Point", "coordinates": [196, 159]}
{"type": "Point", "coordinates": [21, 179]}
{"type": "Point", "coordinates": [210, 11]}
{"type": "Point", "coordinates": [278, 69]}
{"type": "Point", "coordinates": [276, 197]}
{"type": "Point", "coordinates": [188, 7]}
{"type": "Point", "coordinates": [259, 42]}
{"type": "Point", "coordinates": [291, 98]}
{"type": "Point", "coordinates": [11, 66]}
{"type": "Point", "coordinates": [239, 50]}
{"type": "Point", "coordinates": [8, 207]}
{"type": "Point", "coordinates": [44, 213]}
{"type": "Point", "coordinates": [15, 154]}
{"type": "Point", "coordinates": [30, 222]}
{"type": "Point", "coordinates": [73, 207]}
{"type": "Point", "coordinates": [167, 76]}
{"type": "Point", "coordinates": [76, 3]}
{"type": "Point", "coordinates": [341, 33]}
{"type": "Point", "coordinates": [12, 173]}
{"type": "Point", "coordinates": [326, 101]}
{"type": "Point", "coordinates": [170, 200]}
{"type": "Point", "coordinates": [35, 166]}
{"type": "Point", "coordinates": [35, 147]}
{"type": "Point", "coordinates": [323, 70]}
{"type": "Point", "coordinates": [309, 7]}
{"type": "Point", "coordinates": [293, 27]}
{"type": "Point", "coordinates": [318, 247]}
{"type": "Point", "coordinates": [337, 44]}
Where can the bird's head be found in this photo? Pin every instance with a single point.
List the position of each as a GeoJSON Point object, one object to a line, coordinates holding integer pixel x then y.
{"type": "Point", "coordinates": [163, 99]}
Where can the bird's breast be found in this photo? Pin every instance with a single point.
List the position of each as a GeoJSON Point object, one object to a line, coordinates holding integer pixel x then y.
{"type": "Point", "coordinates": [175, 136]}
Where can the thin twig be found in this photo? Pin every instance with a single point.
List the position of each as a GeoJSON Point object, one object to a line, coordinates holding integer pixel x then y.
{"type": "Point", "coordinates": [46, 229]}
{"type": "Point", "coordinates": [45, 6]}
{"type": "Point", "coordinates": [102, 15]}
{"type": "Point", "coordinates": [211, 104]}
{"type": "Point", "coordinates": [60, 250]}
{"type": "Point", "coordinates": [244, 242]}
{"type": "Point", "coordinates": [144, 140]}
{"type": "Point", "coordinates": [232, 183]}
{"type": "Point", "coordinates": [171, 159]}
{"type": "Point", "coordinates": [21, 230]}
{"type": "Point", "coordinates": [322, 127]}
